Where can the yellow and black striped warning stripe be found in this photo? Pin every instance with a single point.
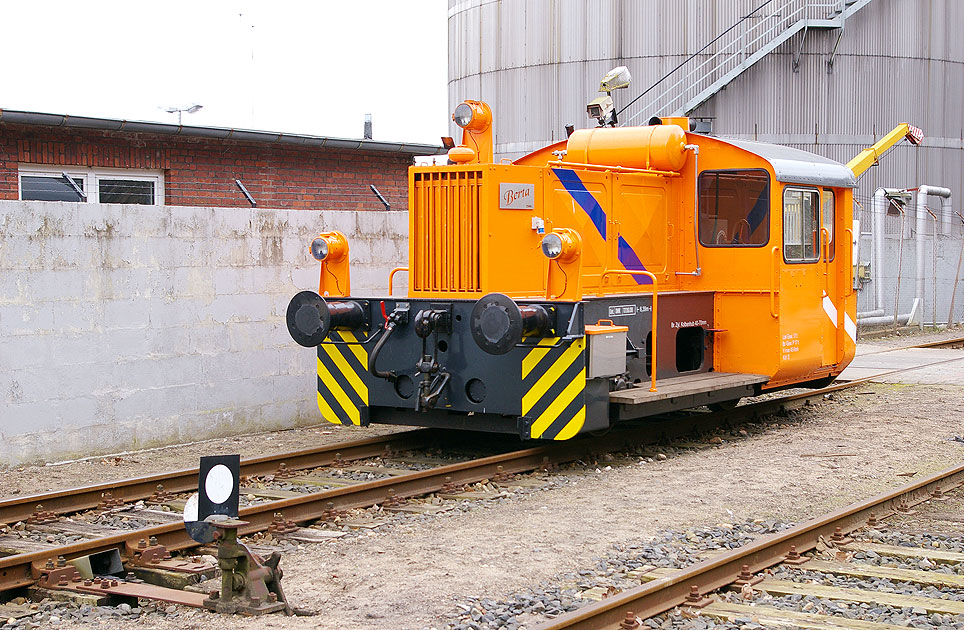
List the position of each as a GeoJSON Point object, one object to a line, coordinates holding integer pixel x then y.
{"type": "Point", "coordinates": [553, 386]}
{"type": "Point", "coordinates": [342, 392]}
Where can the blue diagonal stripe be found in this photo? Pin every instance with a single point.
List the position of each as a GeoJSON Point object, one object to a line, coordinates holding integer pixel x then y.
{"type": "Point", "coordinates": [588, 203]}
{"type": "Point", "coordinates": [583, 197]}
{"type": "Point", "coordinates": [631, 261]}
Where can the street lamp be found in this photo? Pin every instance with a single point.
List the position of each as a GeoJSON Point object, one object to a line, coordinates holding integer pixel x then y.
{"type": "Point", "coordinates": [180, 110]}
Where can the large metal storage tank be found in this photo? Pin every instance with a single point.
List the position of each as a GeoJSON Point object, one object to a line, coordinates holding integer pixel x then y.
{"type": "Point", "coordinates": [538, 63]}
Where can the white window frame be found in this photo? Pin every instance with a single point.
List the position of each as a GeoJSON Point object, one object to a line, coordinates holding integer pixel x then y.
{"type": "Point", "coordinates": [91, 178]}
{"type": "Point", "coordinates": [795, 223]}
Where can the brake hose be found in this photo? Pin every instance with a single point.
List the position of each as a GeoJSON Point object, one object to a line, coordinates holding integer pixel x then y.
{"type": "Point", "coordinates": [389, 329]}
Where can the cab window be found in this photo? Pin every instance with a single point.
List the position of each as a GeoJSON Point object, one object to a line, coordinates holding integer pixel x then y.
{"type": "Point", "coordinates": [801, 225]}
{"type": "Point", "coordinates": [827, 221]}
{"type": "Point", "coordinates": [734, 208]}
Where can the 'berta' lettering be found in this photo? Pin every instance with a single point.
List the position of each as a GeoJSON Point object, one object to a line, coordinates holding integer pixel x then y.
{"type": "Point", "coordinates": [516, 196]}
{"type": "Point", "coordinates": [511, 196]}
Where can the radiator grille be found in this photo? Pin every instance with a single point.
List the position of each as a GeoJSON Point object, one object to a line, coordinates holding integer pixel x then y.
{"type": "Point", "coordinates": [446, 246]}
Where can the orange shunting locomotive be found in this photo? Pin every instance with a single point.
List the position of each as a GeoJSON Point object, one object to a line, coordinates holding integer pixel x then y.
{"type": "Point", "coordinates": [620, 273]}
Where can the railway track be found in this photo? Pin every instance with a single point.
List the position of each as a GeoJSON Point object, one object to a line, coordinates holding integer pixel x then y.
{"type": "Point", "coordinates": [389, 479]}
{"type": "Point", "coordinates": [75, 500]}
{"type": "Point", "coordinates": [793, 578]}
{"type": "Point", "coordinates": [334, 492]}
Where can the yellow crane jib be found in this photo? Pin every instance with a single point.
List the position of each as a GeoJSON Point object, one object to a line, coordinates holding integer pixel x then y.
{"type": "Point", "coordinates": [869, 156]}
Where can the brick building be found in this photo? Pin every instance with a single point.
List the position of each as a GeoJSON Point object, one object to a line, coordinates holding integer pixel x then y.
{"type": "Point", "coordinates": [143, 299]}
{"type": "Point", "coordinates": [117, 161]}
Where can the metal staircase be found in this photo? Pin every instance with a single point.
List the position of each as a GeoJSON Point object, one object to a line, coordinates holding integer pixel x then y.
{"type": "Point", "coordinates": [736, 49]}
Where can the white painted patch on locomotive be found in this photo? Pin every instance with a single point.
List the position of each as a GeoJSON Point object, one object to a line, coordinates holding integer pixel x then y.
{"type": "Point", "coordinates": [689, 324]}
{"type": "Point", "coordinates": [517, 196]}
{"type": "Point", "coordinates": [850, 326]}
{"type": "Point", "coordinates": [622, 310]}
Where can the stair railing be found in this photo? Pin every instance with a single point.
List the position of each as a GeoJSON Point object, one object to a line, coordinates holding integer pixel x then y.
{"type": "Point", "coordinates": [750, 34]}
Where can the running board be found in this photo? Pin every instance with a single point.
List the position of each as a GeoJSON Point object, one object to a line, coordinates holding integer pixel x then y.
{"type": "Point", "coordinates": [683, 392]}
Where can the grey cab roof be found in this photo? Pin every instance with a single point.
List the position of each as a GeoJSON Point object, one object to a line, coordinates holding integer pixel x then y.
{"type": "Point", "coordinates": [794, 166]}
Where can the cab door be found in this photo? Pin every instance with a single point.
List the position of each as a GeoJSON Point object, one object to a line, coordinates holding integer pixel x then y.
{"type": "Point", "coordinates": [803, 284]}
{"type": "Point", "coordinates": [832, 303]}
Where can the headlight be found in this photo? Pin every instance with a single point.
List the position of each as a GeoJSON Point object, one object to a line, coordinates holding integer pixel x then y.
{"type": "Point", "coordinates": [562, 245]}
{"type": "Point", "coordinates": [552, 245]}
{"type": "Point", "coordinates": [463, 115]}
{"type": "Point", "coordinates": [319, 249]}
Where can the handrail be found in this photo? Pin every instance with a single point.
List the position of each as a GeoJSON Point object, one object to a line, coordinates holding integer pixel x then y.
{"type": "Point", "coordinates": [618, 169]}
{"type": "Point", "coordinates": [633, 272]}
{"type": "Point", "coordinates": [391, 275]}
{"type": "Point", "coordinates": [825, 243]}
{"type": "Point", "coordinates": [735, 49]}
{"type": "Point", "coordinates": [773, 305]}
{"type": "Point", "coordinates": [685, 61]}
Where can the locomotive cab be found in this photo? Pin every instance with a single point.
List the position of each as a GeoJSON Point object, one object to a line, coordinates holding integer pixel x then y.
{"type": "Point", "coordinates": [621, 273]}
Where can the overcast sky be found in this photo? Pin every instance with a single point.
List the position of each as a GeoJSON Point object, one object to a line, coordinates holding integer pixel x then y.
{"type": "Point", "coordinates": [304, 67]}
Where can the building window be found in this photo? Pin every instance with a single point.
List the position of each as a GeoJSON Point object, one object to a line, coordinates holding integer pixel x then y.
{"type": "Point", "coordinates": [46, 183]}
{"type": "Point", "coordinates": [47, 188]}
{"type": "Point", "coordinates": [801, 225]}
{"type": "Point", "coordinates": [734, 208]}
{"type": "Point", "coordinates": [125, 191]}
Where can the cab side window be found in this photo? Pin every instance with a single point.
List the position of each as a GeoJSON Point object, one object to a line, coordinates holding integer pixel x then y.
{"type": "Point", "coordinates": [734, 208]}
{"type": "Point", "coordinates": [827, 221]}
{"type": "Point", "coordinates": [801, 225]}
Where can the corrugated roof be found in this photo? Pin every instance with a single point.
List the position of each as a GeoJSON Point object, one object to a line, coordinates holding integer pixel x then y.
{"type": "Point", "coordinates": [218, 133]}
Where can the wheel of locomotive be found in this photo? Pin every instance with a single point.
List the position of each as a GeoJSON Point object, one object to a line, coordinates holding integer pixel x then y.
{"type": "Point", "coordinates": [820, 383]}
{"type": "Point", "coordinates": [725, 405]}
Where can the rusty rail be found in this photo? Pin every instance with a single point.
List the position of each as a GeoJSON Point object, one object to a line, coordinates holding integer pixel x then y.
{"type": "Point", "coordinates": [22, 569]}
{"type": "Point", "coordinates": [665, 594]}
{"type": "Point", "coordinates": [77, 499]}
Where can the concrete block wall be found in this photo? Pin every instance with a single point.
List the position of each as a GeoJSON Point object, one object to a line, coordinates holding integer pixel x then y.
{"type": "Point", "coordinates": [127, 327]}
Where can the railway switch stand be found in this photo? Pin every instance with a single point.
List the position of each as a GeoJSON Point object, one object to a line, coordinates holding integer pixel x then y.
{"type": "Point", "coordinates": [249, 585]}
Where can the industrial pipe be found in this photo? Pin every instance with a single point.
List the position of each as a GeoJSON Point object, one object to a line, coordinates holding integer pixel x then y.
{"type": "Point", "coordinates": [921, 202]}
{"type": "Point", "coordinates": [885, 319]}
{"type": "Point", "coordinates": [878, 320]}
{"type": "Point", "coordinates": [879, 212]}
{"type": "Point", "coordinates": [900, 263]}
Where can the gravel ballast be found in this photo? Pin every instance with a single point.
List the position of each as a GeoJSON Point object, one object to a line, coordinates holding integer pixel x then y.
{"type": "Point", "coordinates": [416, 571]}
